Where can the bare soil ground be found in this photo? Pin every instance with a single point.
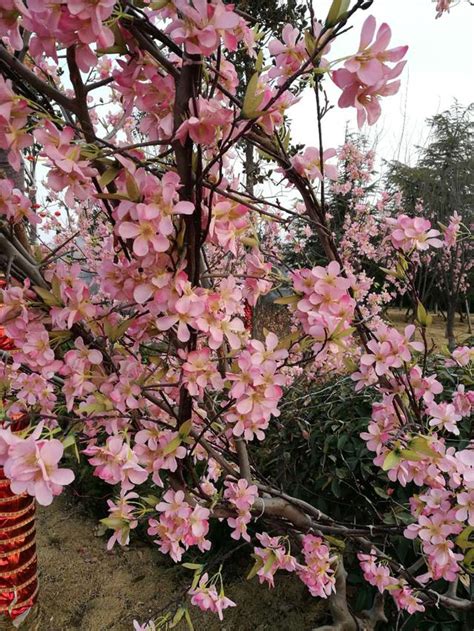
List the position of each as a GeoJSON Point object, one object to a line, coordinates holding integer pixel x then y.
{"type": "Point", "coordinates": [84, 587]}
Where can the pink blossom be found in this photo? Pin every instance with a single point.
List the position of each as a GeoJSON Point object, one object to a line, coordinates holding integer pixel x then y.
{"type": "Point", "coordinates": [203, 25]}
{"type": "Point", "coordinates": [121, 519]}
{"type": "Point", "coordinates": [444, 415]}
{"type": "Point", "coordinates": [208, 121]}
{"type": "Point", "coordinates": [413, 233]}
{"type": "Point", "coordinates": [318, 572]}
{"type": "Point", "coordinates": [308, 164]}
{"type": "Point", "coordinates": [465, 511]}
{"type": "Point", "coordinates": [32, 467]}
{"type": "Point", "coordinates": [369, 62]}
{"type": "Point", "coordinates": [116, 463]}
{"type": "Point", "coordinates": [365, 98]}
{"type": "Point", "coordinates": [205, 597]}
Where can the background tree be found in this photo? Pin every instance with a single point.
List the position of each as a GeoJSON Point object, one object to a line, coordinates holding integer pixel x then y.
{"type": "Point", "coordinates": [438, 186]}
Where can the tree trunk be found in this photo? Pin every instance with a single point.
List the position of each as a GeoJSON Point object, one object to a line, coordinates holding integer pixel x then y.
{"type": "Point", "coordinates": [450, 318]}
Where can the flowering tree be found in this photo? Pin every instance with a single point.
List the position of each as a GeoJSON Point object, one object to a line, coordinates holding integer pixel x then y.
{"type": "Point", "coordinates": [440, 187]}
{"type": "Point", "coordinates": [127, 313]}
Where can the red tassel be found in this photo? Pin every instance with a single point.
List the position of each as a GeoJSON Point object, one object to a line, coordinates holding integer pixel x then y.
{"type": "Point", "coordinates": [248, 316]}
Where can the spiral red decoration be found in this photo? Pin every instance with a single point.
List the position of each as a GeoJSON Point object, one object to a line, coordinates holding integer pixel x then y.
{"type": "Point", "coordinates": [18, 562]}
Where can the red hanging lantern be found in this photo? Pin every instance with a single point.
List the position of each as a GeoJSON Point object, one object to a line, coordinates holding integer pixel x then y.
{"type": "Point", "coordinates": [18, 561]}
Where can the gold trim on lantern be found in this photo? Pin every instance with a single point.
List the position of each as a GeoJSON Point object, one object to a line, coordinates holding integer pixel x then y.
{"type": "Point", "coordinates": [19, 569]}
{"type": "Point", "coordinates": [16, 526]}
{"type": "Point", "coordinates": [19, 513]}
{"type": "Point", "coordinates": [18, 550]}
{"type": "Point", "coordinates": [22, 536]}
{"type": "Point", "coordinates": [17, 588]}
{"type": "Point", "coordinates": [4, 500]}
{"type": "Point", "coordinates": [10, 608]}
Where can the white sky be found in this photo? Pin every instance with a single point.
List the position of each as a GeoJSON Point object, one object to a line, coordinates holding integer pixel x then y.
{"type": "Point", "coordinates": [440, 68]}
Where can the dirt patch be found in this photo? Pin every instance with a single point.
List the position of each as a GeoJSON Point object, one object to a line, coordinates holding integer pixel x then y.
{"type": "Point", "coordinates": [84, 587]}
{"type": "Point", "coordinates": [436, 330]}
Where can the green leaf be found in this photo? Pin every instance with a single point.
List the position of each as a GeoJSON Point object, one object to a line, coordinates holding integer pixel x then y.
{"type": "Point", "coordinates": [411, 455]}
{"type": "Point", "coordinates": [422, 316]}
{"type": "Point", "coordinates": [337, 10]}
{"type": "Point", "coordinates": [172, 446]}
{"type": "Point", "coordinates": [108, 176]}
{"type": "Point", "coordinates": [381, 492]}
{"type": "Point", "coordinates": [47, 297]}
{"type": "Point", "coordinates": [309, 42]}
{"type": "Point", "coordinates": [185, 429]}
{"type": "Point", "coordinates": [151, 500]}
{"type": "Point", "coordinates": [391, 460]}
{"type": "Point", "coordinates": [463, 540]}
{"type": "Point", "coordinates": [469, 561]}
{"type": "Point", "coordinates": [177, 617]}
{"type": "Point", "coordinates": [188, 620]}
{"type": "Point", "coordinates": [114, 523]}
{"type": "Point", "coordinates": [287, 300]}
{"type": "Point", "coordinates": [192, 566]}
{"type": "Point", "coordinates": [252, 99]}
{"type": "Point", "coordinates": [421, 445]}
{"type": "Point", "coordinates": [257, 565]}
{"type": "Point", "coordinates": [69, 441]}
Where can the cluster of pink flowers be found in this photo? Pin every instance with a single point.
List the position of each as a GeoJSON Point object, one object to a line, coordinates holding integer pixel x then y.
{"type": "Point", "coordinates": [256, 387]}
{"type": "Point", "coordinates": [230, 220]}
{"type": "Point", "coordinates": [436, 521]}
{"type": "Point", "coordinates": [318, 572]}
{"type": "Point", "coordinates": [69, 22]}
{"type": "Point", "coordinates": [413, 233]}
{"type": "Point", "coordinates": [366, 76]}
{"type": "Point", "coordinates": [15, 206]}
{"type": "Point", "coordinates": [425, 460]}
{"type": "Point", "coordinates": [241, 495]}
{"type": "Point", "coordinates": [378, 574]}
{"type": "Point", "coordinates": [461, 356]}
{"type": "Point", "coordinates": [291, 52]}
{"type": "Point", "coordinates": [309, 164]}
{"type": "Point", "coordinates": [121, 519]}
{"type": "Point", "coordinates": [451, 231]}
{"type": "Point", "coordinates": [271, 557]}
{"type": "Point", "coordinates": [32, 464]}
{"type": "Point", "coordinates": [179, 525]}
{"type": "Point", "coordinates": [67, 169]}
{"type": "Point", "coordinates": [326, 308]}
{"type": "Point", "coordinates": [205, 25]}
{"type": "Point", "coordinates": [142, 85]}
{"type": "Point", "coordinates": [206, 597]}
{"type": "Point", "coordinates": [209, 122]}
{"type": "Point", "coordinates": [149, 223]}
{"type": "Point", "coordinates": [158, 450]}
{"type": "Point", "coordinates": [390, 349]}
{"type": "Point", "coordinates": [14, 112]}
{"type": "Point", "coordinates": [116, 463]}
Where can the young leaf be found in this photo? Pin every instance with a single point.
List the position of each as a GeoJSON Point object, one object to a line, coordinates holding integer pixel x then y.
{"type": "Point", "coordinates": [47, 297]}
{"type": "Point", "coordinates": [287, 300]}
{"type": "Point", "coordinates": [252, 99]}
{"type": "Point", "coordinates": [391, 460]}
{"type": "Point", "coordinates": [337, 10]}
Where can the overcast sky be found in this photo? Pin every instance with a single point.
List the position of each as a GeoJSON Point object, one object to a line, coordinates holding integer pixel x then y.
{"type": "Point", "coordinates": [440, 68]}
